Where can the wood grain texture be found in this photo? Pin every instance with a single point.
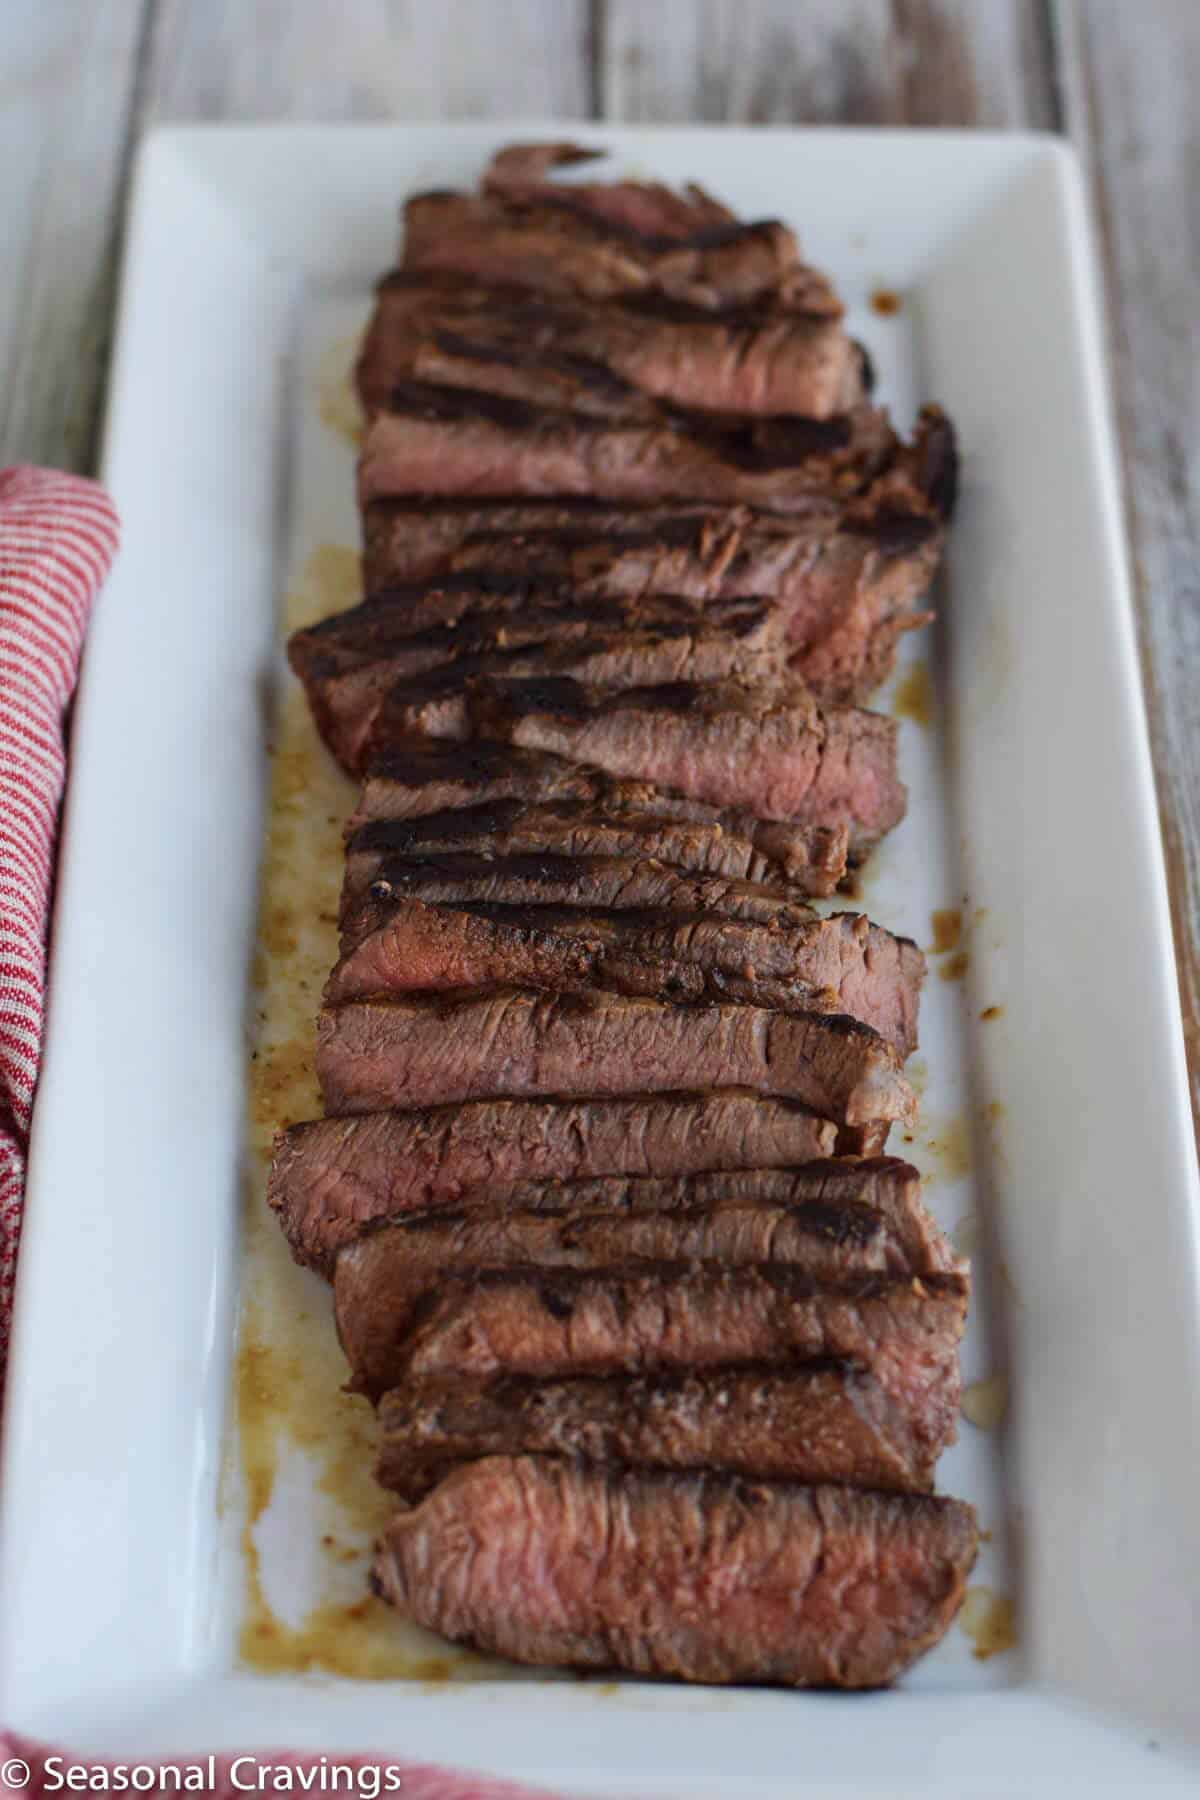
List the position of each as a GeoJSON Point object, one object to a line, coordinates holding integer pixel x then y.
{"type": "Point", "coordinates": [1129, 78]}
{"type": "Point", "coordinates": [369, 59]}
{"type": "Point", "coordinates": [66, 97]}
{"type": "Point", "coordinates": [849, 62]}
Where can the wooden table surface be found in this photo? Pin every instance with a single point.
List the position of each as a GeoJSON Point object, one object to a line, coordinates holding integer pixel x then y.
{"type": "Point", "coordinates": [79, 82]}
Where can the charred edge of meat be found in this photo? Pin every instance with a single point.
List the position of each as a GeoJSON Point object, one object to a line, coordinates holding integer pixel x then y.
{"type": "Point", "coordinates": [563, 697]}
{"type": "Point", "coordinates": [486, 818]}
{"type": "Point", "coordinates": [476, 760]}
{"type": "Point", "coordinates": [527, 865]}
{"type": "Point", "coordinates": [894, 530]}
{"type": "Point", "coordinates": [588, 371]}
{"type": "Point", "coordinates": [938, 460]}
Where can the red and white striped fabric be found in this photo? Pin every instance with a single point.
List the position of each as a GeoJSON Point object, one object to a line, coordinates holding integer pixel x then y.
{"type": "Point", "coordinates": [58, 534]}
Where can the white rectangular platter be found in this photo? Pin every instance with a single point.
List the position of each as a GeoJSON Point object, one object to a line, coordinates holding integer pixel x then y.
{"type": "Point", "coordinates": [1055, 1132]}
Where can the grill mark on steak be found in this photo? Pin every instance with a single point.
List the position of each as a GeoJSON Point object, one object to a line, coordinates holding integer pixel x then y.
{"type": "Point", "coordinates": [330, 1178]}
{"type": "Point", "coordinates": [486, 609]}
{"type": "Point", "coordinates": [819, 1423]}
{"type": "Point", "coordinates": [840, 964]}
{"type": "Point", "coordinates": [410, 541]}
{"type": "Point", "coordinates": [593, 883]}
{"type": "Point", "coordinates": [769, 748]}
{"type": "Point", "coordinates": [568, 240]}
{"type": "Point", "coordinates": [381, 1277]}
{"type": "Point", "coordinates": [439, 702]}
{"type": "Point", "coordinates": [755, 445]}
{"type": "Point", "coordinates": [565, 380]}
{"type": "Point", "coordinates": [825, 1189]}
{"type": "Point", "coordinates": [510, 825]}
{"type": "Point", "coordinates": [706, 1577]}
{"type": "Point", "coordinates": [435, 439]}
{"type": "Point", "coordinates": [350, 663]}
{"type": "Point", "coordinates": [848, 579]}
{"type": "Point", "coordinates": [560, 1322]}
{"type": "Point", "coordinates": [607, 357]}
{"type": "Point", "coordinates": [414, 779]}
{"type": "Point", "coordinates": [411, 1050]}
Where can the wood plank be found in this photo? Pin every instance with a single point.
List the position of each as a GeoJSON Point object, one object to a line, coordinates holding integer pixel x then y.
{"type": "Point", "coordinates": [368, 59]}
{"type": "Point", "coordinates": [65, 105]}
{"type": "Point", "coordinates": [915, 62]}
{"type": "Point", "coordinates": [1130, 76]}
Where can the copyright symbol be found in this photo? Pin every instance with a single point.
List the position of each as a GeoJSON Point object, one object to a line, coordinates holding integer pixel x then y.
{"type": "Point", "coordinates": [14, 1773]}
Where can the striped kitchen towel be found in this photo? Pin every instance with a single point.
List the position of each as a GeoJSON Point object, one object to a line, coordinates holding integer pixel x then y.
{"type": "Point", "coordinates": [58, 535]}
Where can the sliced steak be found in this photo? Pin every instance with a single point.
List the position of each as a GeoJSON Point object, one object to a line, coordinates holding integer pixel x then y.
{"type": "Point", "coordinates": [412, 780]}
{"type": "Point", "coordinates": [883, 1187]}
{"type": "Point", "coordinates": [381, 1276]}
{"type": "Point", "coordinates": [840, 964]}
{"type": "Point", "coordinates": [773, 750]}
{"type": "Point", "coordinates": [352, 663]}
{"type": "Point", "coordinates": [483, 604]}
{"type": "Point", "coordinates": [814, 1423]}
{"type": "Point", "coordinates": [588, 883]}
{"type": "Point", "coordinates": [707, 552]}
{"type": "Point", "coordinates": [441, 440]}
{"type": "Point", "coordinates": [331, 1177]}
{"type": "Point", "coordinates": [515, 827]}
{"type": "Point", "coordinates": [560, 242]}
{"type": "Point", "coordinates": [438, 702]}
{"type": "Point", "coordinates": [414, 626]}
{"type": "Point", "coordinates": [647, 208]}
{"type": "Point", "coordinates": [706, 1577]}
{"type": "Point", "coordinates": [846, 594]}
{"type": "Point", "coordinates": [758, 358]}
{"type": "Point", "coordinates": [539, 1322]}
{"type": "Point", "coordinates": [413, 1050]}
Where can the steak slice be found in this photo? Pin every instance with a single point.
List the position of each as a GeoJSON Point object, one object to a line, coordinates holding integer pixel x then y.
{"type": "Point", "coordinates": [758, 358]}
{"type": "Point", "coordinates": [411, 1050]}
{"type": "Point", "coordinates": [380, 652]}
{"type": "Point", "coordinates": [540, 1322]}
{"type": "Point", "coordinates": [703, 551]}
{"type": "Point", "coordinates": [412, 780]}
{"type": "Point", "coordinates": [414, 626]}
{"type": "Point", "coordinates": [438, 702]}
{"type": "Point", "coordinates": [771, 749]}
{"type": "Point", "coordinates": [560, 241]}
{"type": "Point", "coordinates": [484, 603]}
{"type": "Point", "coordinates": [588, 883]}
{"type": "Point", "coordinates": [350, 662]}
{"type": "Point", "coordinates": [331, 1177]}
{"type": "Point", "coordinates": [882, 1187]}
{"type": "Point", "coordinates": [841, 964]}
{"type": "Point", "coordinates": [815, 1423]}
{"type": "Point", "coordinates": [847, 593]}
{"type": "Point", "coordinates": [706, 1577]}
{"type": "Point", "coordinates": [580, 827]}
{"type": "Point", "coordinates": [645, 208]}
{"type": "Point", "coordinates": [440, 440]}
{"type": "Point", "coordinates": [382, 1276]}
